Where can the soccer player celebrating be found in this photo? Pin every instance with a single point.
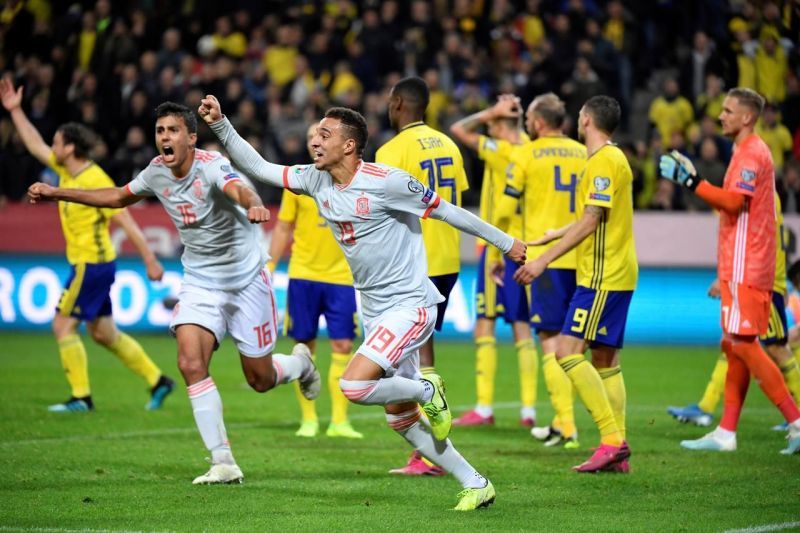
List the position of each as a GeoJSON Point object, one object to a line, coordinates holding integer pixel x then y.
{"type": "Point", "coordinates": [607, 272]}
{"type": "Point", "coordinates": [376, 210]}
{"type": "Point", "coordinates": [775, 341]}
{"type": "Point", "coordinates": [91, 255]}
{"type": "Point", "coordinates": [543, 181]}
{"type": "Point", "coordinates": [745, 265]}
{"type": "Point", "coordinates": [507, 299]}
{"type": "Point", "coordinates": [226, 286]}
{"type": "Point", "coordinates": [433, 159]}
{"type": "Point", "coordinates": [320, 283]}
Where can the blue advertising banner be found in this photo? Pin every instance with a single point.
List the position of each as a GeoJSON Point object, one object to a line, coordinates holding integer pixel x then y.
{"type": "Point", "coordinates": [670, 305]}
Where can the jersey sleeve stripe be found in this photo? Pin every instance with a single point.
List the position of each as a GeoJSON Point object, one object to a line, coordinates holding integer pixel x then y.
{"type": "Point", "coordinates": [128, 188]}
{"type": "Point", "coordinates": [232, 180]}
{"type": "Point", "coordinates": [433, 206]}
{"type": "Point", "coordinates": [286, 177]}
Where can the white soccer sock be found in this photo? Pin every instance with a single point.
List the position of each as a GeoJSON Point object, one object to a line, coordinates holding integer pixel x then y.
{"type": "Point", "coordinates": [484, 410]}
{"type": "Point", "coordinates": [416, 431]}
{"type": "Point", "coordinates": [386, 390]}
{"type": "Point", "coordinates": [288, 367]}
{"type": "Point", "coordinates": [207, 410]}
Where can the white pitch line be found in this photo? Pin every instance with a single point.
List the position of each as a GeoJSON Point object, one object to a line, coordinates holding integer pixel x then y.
{"type": "Point", "coordinates": [765, 527]}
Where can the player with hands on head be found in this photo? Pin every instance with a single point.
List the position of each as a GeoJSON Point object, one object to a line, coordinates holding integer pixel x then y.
{"type": "Point", "coordinates": [376, 212]}
{"type": "Point", "coordinates": [607, 273]}
{"type": "Point", "coordinates": [91, 255]}
{"type": "Point", "coordinates": [226, 286]}
{"type": "Point", "coordinates": [745, 266]}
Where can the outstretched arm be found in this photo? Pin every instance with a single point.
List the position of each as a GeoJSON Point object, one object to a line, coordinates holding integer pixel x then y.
{"type": "Point", "coordinates": [155, 271]}
{"type": "Point", "coordinates": [108, 197]}
{"type": "Point", "coordinates": [243, 156]}
{"type": "Point", "coordinates": [12, 101]}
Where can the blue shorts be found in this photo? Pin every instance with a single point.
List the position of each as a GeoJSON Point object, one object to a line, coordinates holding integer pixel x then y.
{"type": "Point", "coordinates": [509, 301]}
{"type": "Point", "coordinates": [551, 294]}
{"type": "Point", "coordinates": [776, 330]}
{"type": "Point", "coordinates": [308, 300]}
{"type": "Point", "coordinates": [598, 316]}
{"type": "Point", "coordinates": [87, 292]}
{"type": "Point", "coordinates": [445, 284]}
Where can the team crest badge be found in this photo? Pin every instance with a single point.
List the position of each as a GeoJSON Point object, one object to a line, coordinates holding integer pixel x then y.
{"type": "Point", "coordinates": [415, 186]}
{"type": "Point", "coordinates": [197, 189]}
{"type": "Point", "coordinates": [601, 183]}
{"type": "Point", "coordinates": [748, 175]}
{"type": "Point", "coordinates": [362, 205]}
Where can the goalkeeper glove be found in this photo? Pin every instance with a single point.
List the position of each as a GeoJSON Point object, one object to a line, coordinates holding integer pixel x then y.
{"type": "Point", "coordinates": [678, 168]}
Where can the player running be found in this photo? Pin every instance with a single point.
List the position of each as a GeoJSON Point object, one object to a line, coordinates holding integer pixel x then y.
{"type": "Point", "coordinates": [92, 259]}
{"type": "Point", "coordinates": [745, 265]}
{"type": "Point", "coordinates": [606, 275]}
{"type": "Point", "coordinates": [226, 286]}
{"type": "Point", "coordinates": [320, 284]}
{"type": "Point", "coordinates": [492, 299]}
{"type": "Point", "coordinates": [376, 210]}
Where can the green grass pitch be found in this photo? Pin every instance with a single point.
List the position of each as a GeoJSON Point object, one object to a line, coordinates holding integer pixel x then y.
{"type": "Point", "coordinates": [124, 469]}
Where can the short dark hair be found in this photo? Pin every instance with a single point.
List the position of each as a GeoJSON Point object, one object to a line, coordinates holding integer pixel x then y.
{"type": "Point", "coordinates": [178, 110]}
{"type": "Point", "coordinates": [78, 135]}
{"type": "Point", "coordinates": [605, 112]}
{"type": "Point", "coordinates": [551, 109]}
{"type": "Point", "coordinates": [355, 123]}
{"type": "Point", "coordinates": [748, 98]}
{"type": "Point", "coordinates": [415, 91]}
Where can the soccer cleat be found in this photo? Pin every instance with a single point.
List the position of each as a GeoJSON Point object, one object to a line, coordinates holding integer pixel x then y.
{"type": "Point", "coordinates": [622, 467]}
{"type": "Point", "coordinates": [710, 442]}
{"type": "Point", "coordinates": [417, 466]}
{"type": "Point", "coordinates": [308, 429]}
{"type": "Point", "coordinates": [310, 384]}
{"type": "Point", "coordinates": [344, 430]}
{"type": "Point", "coordinates": [220, 473]}
{"type": "Point", "coordinates": [159, 392]}
{"type": "Point", "coordinates": [604, 458]}
{"type": "Point", "coordinates": [793, 446]}
{"type": "Point", "coordinates": [473, 418]}
{"type": "Point", "coordinates": [73, 405]}
{"type": "Point", "coordinates": [471, 499]}
{"type": "Point", "coordinates": [781, 427]}
{"type": "Point", "coordinates": [691, 414]}
{"type": "Point", "coordinates": [527, 422]}
{"type": "Point", "coordinates": [436, 408]}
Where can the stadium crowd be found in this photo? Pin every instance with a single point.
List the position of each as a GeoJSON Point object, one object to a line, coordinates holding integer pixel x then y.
{"type": "Point", "coordinates": [278, 65]}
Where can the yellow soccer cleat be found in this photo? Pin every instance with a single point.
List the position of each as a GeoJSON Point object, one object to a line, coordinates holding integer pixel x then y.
{"type": "Point", "coordinates": [343, 429]}
{"type": "Point", "coordinates": [436, 409]}
{"type": "Point", "coordinates": [308, 429]}
{"type": "Point", "coordinates": [471, 499]}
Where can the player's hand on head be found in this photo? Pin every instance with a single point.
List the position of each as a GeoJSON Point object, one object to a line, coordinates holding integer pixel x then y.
{"type": "Point", "coordinates": [11, 98]}
{"type": "Point", "coordinates": [39, 191]}
{"type": "Point", "coordinates": [678, 168]}
{"type": "Point", "coordinates": [517, 252]}
{"type": "Point", "coordinates": [155, 270]}
{"type": "Point", "coordinates": [713, 289]}
{"type": "Point", "coordinates": [507, 106]}
{"type": "Point", "coordinates": [258, 214]}
{"type": "Point", "coordinates": [209, 109]}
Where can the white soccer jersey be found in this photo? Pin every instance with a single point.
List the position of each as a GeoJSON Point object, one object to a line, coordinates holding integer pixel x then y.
{"type": "Point", "coordinates": [221, 247]}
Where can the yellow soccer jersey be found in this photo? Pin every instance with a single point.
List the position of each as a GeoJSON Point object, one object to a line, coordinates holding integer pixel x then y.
{"type": "Point", "coordinates": [85, 228]}
{"type": "Point", "coordinates": [544, 177]}
{"type": "Point", "coordinates": [607, 258]}
{"type": "Point", "coordinates": [496, 154]}
{"type": "Point", "coordinates": [315, 254]}
{"type": "Point", "coordinates": [435, 160]}
{"type": "Point", "coordinates": [780, 250]}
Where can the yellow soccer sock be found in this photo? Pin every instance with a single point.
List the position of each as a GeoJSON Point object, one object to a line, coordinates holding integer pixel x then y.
{"type": "Point", "coordinates": [134, 357]}
{"type": "Point", "coordinates": [528, 371]}
{"type": "Point", "coordinates": [715, 387]}
{"type": "Point", "coordinates": [615, 390]}
{"type": "Point", "coordinates": [339, 402]}
{"type": "Point", "coordinates": [559, 387]}
{"type": "Point", "coordinates": [76, 367]}
{"type": "Point", "coordinates": [590, 387]}
{"type": "Point", "coordinates": [308, 408]}
{"type": "Point", "coordinates": [485, 369]}
{"type": "Point", "coordinates": [791, 375]}
{"type": "Point", "coordinates": [427, 370]}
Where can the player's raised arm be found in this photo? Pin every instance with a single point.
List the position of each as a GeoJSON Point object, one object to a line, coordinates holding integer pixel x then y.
{"type": "Point", "coordinates": [108, 197]}
{"type": "Point", "coordinates": [12, 102]}
{"type": "Point", "coordinates": [244, 156]}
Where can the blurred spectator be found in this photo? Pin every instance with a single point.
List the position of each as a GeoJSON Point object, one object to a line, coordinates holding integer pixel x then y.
{"type": "Point", "coordinates": [670, 112]}
{"type": "Point", "coordinates": [777, 137]}
{"type": "Point", "coordinates": [279, 58]}
{"type": "Point", "coordinates": [711, 168]}
{"type": "Point", "coordinates": [133, 156]}
{"type": "Point", "coordinates": [582, 85]}
{"type": "Point", "coordinates": [228, 40]}
{"type": "Point", "coordinates": [170, 54]}
{"type": "Point", "coordinates": [702, 61]}
{"type": "Point", "coordinates": [709, 102]}
{"type": "Point", "coordinates": [771, 67]}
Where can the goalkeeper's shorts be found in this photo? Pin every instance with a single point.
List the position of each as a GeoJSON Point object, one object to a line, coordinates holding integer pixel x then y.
{"type": "Point", "coordinates": [745, 310]}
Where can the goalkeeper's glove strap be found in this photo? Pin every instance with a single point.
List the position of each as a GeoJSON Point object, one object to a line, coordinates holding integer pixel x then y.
{"type": "Point", "coordinates": [692, 182]}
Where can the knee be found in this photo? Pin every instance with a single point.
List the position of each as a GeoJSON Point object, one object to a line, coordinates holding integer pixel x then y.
{"type": "Point", "coordinates": [192, 368]}
{"type": "Point", "coordinates": [356, 391]}
{"type": "Point", "coordinates": [100, 337]}
{"type": "Point", "coordinates": [342, 345]}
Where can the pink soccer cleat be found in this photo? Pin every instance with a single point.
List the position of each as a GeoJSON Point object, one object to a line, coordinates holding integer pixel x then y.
{"type": "Point", "coordinates": [604, 459]}
{"type": "Point", "coordinates": [527, 422]}
{"type": "Point", "coordinates": [417, 466]}
{"type": "Point", "coordinates": [473, 418]}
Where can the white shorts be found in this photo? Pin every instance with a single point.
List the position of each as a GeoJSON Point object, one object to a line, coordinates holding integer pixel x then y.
{"type": "Point", "coordinates": [392, 340]}
{"type": "Point", "coordinates": [248, 314]}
